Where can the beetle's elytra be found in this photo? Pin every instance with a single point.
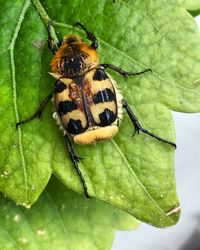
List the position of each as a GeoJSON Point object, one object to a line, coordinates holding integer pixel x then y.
{"type": "Point", "coordinates": [88, 103]}
{"type": "Point", "coordinates": [87, 107]}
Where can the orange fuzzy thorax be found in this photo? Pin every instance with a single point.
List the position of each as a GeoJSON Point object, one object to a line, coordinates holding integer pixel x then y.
{"type": "Point", "coordinates": [74, 58]}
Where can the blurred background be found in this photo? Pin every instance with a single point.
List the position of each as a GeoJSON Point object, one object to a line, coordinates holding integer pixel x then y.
{"type": "Point", "coordinates": [186, 234]}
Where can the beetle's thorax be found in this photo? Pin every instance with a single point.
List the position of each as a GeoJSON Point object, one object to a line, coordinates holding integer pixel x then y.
{"type": "Point", "coordinates": [74, 58]}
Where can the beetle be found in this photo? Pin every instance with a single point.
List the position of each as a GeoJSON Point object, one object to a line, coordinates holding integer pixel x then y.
{"type": "Point", "coordinates": [88, 103]}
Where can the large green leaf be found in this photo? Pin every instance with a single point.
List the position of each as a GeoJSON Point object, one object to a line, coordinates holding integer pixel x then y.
{"type": "Point", "coordinates": [61, 219]}
{"type": "Point", "coordinates": [132, 173]}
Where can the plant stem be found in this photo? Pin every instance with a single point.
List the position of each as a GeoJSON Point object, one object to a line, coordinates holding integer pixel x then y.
{"type": "Point", "coordinates": [41, 11]}
{"type": "Point", "coordinates": [45, 18]}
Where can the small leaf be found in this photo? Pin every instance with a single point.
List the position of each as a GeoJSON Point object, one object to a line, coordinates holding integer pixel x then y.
{"type": "Point", "coordinates": [133, 173]}
{"type": "Point", "coordinates": [60, 219]}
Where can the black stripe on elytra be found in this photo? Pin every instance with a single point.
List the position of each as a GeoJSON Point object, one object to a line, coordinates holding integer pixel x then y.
{"type": "Point", "coordinates": [107, 117]}
{"type": "Point", "coordinates": [66, 106]}
{"type": "Point", "coordinates": [75, 127]}
{"type": "Point", "coordinates": [59, 87]}
{"type": "Point", "coordinates": [105, 95]}
{"type": "Point", "coordinates": [99, 75]}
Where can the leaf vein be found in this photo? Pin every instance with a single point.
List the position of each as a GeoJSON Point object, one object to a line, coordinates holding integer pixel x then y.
{"type": "Point", "coordinates": [12, 238]}
{"type": "Point", "coordinates": [12, 60]}
{"type": "Point", "coordinates": [31, 227]}
{"type": "Point", "coordinates": [57, 212]}
{"type": "Point", "coordinates": [136, 177]}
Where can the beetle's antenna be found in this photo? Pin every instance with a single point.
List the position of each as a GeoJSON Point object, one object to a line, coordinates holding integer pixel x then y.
{"type": "Point", "coordinates": [90, 36]}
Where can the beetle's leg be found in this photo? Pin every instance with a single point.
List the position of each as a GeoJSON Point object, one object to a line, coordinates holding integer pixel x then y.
{"type": "Point", "coordinates": [52, 44]}
{"type": "Point", "coordinates": [90, 36]}
{"type": "Point", "coordinates": [124, 73]}
{"type": "Point", "coordinates": [75, 159]}
{"type": "Point", "coordinates": [139, 128]}
{"type": "Point", "coordinates": [39, 111]}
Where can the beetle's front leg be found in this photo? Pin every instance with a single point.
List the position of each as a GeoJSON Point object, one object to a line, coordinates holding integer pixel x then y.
{"type": "Point", "coordinates": [39, 111]}
{"type": "Point", "coordinates": [139, 128]}
{"type": "Point", "coordinates": [90, 36]}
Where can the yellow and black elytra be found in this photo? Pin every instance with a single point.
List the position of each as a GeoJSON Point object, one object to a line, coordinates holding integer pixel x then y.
{"type": "Point", "coordinates": [88, 103]}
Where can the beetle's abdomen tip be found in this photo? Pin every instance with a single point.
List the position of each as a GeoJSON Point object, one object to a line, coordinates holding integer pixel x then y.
{"type": "Point", "coordinates": [98, 134]}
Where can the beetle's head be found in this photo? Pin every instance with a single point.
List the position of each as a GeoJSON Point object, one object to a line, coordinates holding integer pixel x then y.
{"type": "Point", "coordinates": [70, 39]}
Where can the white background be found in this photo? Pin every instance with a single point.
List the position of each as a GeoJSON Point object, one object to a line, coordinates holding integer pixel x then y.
{"type": "Point", "coordinates": [187, 170]}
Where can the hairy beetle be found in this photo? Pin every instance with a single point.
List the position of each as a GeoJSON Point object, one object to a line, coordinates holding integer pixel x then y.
{"type": "Point", "coordinates": [88, 103]}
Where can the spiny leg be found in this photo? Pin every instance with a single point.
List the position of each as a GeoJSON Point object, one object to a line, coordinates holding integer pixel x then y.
{"type": "Point", "coordinates": [90, 36]}
{"type": "Point", "coordinates": [139, 128]}
{"type": "Point", "coordinates": [52, 44]}
{"type": "Point", "coordinates": [39, 111]}
{"type": "Point", "coordinates": [75, 158]}
{"type": "Point", "coordinates": [124, 73]}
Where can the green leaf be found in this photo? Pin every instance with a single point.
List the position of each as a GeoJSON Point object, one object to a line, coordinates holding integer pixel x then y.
{"type": "Point", "coordinates": [60, 219]}
{"type": "Point", "coordinates": [136, 173]}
